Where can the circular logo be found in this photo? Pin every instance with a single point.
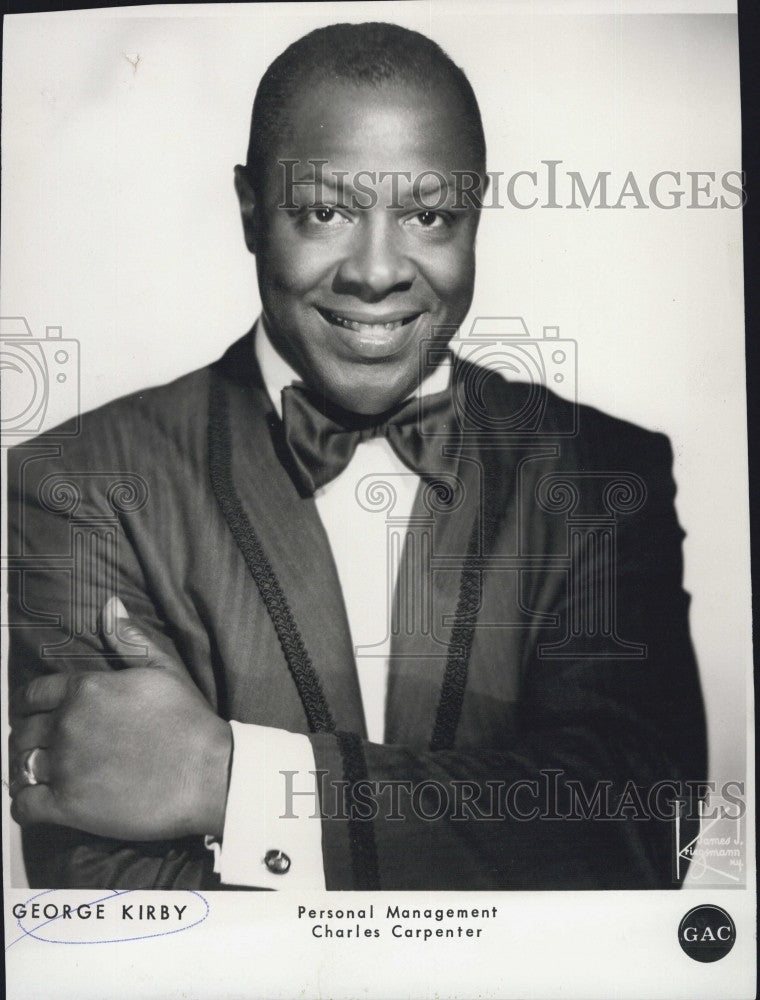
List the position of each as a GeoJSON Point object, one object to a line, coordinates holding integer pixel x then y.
{"type": "Point", "coordinates": [707, 933]}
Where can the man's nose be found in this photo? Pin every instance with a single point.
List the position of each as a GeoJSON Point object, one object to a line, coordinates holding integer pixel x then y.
{"type": "Point", "coordinates": [376, 262]}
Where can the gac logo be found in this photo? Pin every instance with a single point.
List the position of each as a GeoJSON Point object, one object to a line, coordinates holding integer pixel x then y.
{"type": "Point", "coordinates": [707, 933]}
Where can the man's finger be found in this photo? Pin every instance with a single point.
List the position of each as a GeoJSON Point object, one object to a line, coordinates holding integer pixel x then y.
{"type": "Point", "coordinates": [31, 731]}
{"type": "Point", "coordinates": [125, 637]}
{"type": "Point", "coordinates": [43, 694]}
{"type": "Point", "coordinates": [120, 633]}
{"type": "Point", "coordinates": [36, 804]}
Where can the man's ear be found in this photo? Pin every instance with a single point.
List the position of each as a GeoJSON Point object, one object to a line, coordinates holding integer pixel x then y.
{"type": "Point", "coordinates": [248, 208]}
{"type": "Point", "coordinates": [485, 184]}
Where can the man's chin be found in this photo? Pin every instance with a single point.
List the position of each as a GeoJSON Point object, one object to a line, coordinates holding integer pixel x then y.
{"type": "Point", "coordinates": [365, 407]}
{"type": "Point", "coordinates": [368, 401]}
{"type": "Point", "coordinates": [366, 389]}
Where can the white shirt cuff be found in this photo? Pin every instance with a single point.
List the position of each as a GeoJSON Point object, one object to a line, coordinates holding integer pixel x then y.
{"type": "Point", "coordinates": [272, 833]}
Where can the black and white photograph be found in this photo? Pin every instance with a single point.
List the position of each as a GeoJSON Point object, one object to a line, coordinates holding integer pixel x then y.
{"type": "Point", "coordinates": [375, 525]}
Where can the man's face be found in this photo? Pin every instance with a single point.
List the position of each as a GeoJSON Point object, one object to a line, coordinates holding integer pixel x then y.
{"type": "Point", "coordinates": [356, 272]}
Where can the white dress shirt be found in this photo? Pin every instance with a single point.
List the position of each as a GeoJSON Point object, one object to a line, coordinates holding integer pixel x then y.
{"type": "Point", "coordinates": [357, 533]}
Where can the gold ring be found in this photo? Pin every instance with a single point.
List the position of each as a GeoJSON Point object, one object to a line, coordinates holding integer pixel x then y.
{"type": "Point", "coordinates": [27, 767]}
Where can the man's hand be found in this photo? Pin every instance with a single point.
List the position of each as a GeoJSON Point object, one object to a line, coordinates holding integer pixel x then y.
{"type": "Point", "coordinates": [134, 754]}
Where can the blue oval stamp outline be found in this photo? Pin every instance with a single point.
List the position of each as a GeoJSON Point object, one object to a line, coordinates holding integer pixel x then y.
{"type": "Point", "coordinates": [114, 894]}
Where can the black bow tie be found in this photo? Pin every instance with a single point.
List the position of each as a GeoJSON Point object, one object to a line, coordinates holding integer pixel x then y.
{"type": "Point", "coordinates": [322, 438]}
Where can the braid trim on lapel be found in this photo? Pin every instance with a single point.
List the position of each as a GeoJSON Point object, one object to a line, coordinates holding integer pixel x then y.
{"type": "Point", "coordinates": [458, 659]}
{"type": "Point", "coordinates": [468, 604]}
{"type": "Point", "coordinates": [306, 680]}
{"type": "Point", "coordinates": [361, 832]}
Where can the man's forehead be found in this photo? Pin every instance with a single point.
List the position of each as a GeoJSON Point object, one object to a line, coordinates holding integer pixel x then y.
{"type": "Point", "coordinates": [398, 125]}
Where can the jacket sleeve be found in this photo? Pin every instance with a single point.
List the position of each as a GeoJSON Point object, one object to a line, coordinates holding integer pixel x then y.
{"type": "Point", "coordinates": [69, 550]}
{"type": "Point", "coordinates": [579, 793]}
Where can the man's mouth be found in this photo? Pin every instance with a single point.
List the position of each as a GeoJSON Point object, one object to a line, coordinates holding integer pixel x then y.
{"type": "Point", "coordinates": [371, 325]}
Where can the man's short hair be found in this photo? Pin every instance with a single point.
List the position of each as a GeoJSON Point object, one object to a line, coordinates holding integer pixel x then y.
{"type": "Point", "coordinates": [372, 53]}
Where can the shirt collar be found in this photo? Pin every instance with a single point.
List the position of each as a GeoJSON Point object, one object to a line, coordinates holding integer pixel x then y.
{"type": "Point", "coordinates": [277, 373]}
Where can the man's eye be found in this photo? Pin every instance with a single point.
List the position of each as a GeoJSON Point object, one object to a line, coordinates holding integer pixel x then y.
{"type": "Point", "coordinates": [428, 220]}
{"type": "Point", "coordinates": [325, 216]}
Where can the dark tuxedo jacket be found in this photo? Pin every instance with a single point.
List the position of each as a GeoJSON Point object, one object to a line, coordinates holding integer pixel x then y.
{"type": "Point", "coordinates": [556, 665]}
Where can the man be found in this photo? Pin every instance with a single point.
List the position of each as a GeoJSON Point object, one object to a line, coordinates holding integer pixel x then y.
{"type": "Point", "coordinates": [526, 669]}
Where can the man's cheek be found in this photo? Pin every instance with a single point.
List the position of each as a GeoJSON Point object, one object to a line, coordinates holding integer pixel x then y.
{"type": "Point", "coordinates": [450, 273]}
{"type": "Point", "coordinates": [297, 271]}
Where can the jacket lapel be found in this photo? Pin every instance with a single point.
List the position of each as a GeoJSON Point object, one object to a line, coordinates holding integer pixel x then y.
{"type": "Point", "coordinates": [429, 667]}
{"type": "Point", "coordinates": [425, 601]}
{"type": "Point", "coordinates": [290, 533]}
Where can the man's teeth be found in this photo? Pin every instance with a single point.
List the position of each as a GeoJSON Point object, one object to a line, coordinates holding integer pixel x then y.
{"type": "Point", "coordinates": [352, 324]}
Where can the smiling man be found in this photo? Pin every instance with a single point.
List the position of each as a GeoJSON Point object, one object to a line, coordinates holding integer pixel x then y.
{"type": "Point", "coordinates": [352, 281]}
{"type": "Point", "coordinates": [330, 629]}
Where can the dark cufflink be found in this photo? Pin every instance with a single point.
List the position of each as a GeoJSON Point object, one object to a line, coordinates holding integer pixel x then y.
{"type": "Point", "coordinates": [277, 862]}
